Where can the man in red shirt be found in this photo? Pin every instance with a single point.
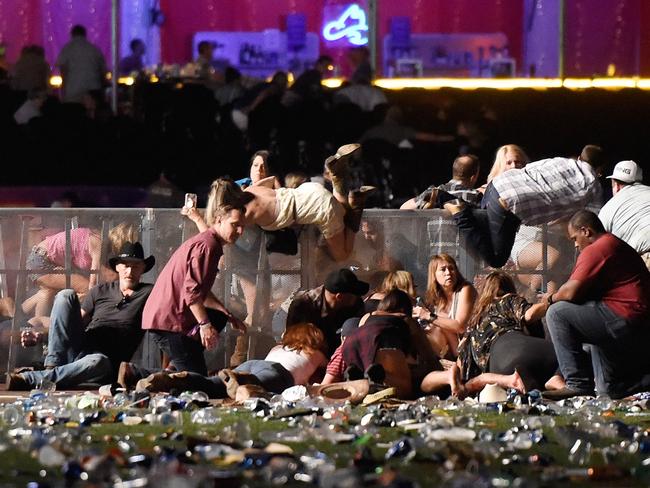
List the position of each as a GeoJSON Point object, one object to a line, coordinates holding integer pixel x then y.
{"type": "Point", "coordinates": [182, 315]}
{"type": "Point", "coordinates": [605, 303]}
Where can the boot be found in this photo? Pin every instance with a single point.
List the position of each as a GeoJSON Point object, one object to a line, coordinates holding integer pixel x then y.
{"type": "Point", "coordinates": [164, 381]}
{"type": "Point", "coordinates": [357, 201]}
{"type": "Point", "coordinates": [337, 165]}
{"type": "Point", "coordinates": [240, 354]}
{"type": "Point", "coordinates": [235, 379]}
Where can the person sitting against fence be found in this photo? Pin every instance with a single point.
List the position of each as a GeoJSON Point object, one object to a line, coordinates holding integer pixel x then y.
{"type": "Point", "coordinates": [329, 305]}
{"type": "Point", "coordinates": [496, 349]}
{"type": "Point", "coordinates": [47, 260]}
{"type": "Point", "coordinates": [527, 250]}
{"type": "Point", "coordinates": [447, 305]}
{"type": "Point", "coordinates": [465, 172]}
{"type": "Point", "coordinates": [87, 341]}
{"type": "Point", "coordinates": [295, 361]}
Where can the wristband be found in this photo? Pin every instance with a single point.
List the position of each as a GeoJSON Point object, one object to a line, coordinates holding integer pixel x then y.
{"type": "Point", "coordinates": [203, 322]}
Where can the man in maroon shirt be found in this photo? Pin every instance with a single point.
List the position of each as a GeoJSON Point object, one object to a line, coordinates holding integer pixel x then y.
{"type": "Point", "coordinates": [605, 303]}
{"type": "Point", "coordinates": [181, 308]}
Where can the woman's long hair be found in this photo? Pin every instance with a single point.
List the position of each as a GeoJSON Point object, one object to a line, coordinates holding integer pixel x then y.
{"type": "Point", "coordinates": [304, 336]}
{"type": "Point", "coordinates": [225, 195]}
{"type": "Point", "coordinates": [499, 165]}
{"type": "Point", "coordinates": [435, 296]}
{"type": "Point", "coordinates": [496, 285]}
{"type": "Point", "coordinates": [122, 233]}
{"type": "Point", "coordinates": [396, 301]}
{"type": "Point", "coordinates": [400, 279]}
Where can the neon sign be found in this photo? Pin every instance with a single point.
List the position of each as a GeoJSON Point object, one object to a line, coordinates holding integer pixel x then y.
{"type": "Point", "coordinates": [352, 25]}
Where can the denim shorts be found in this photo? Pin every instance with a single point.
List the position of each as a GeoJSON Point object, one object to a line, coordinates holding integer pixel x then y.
{"type": "Point", "coordinates": [38, 261]}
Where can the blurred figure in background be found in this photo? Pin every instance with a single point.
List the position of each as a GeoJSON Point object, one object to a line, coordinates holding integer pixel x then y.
{"type": "Point", "coordinates": [31, 71]}
{"type": "Point", "coordinates": [82, 66]}
{"type": "Point", "coordinates": [133, 62]}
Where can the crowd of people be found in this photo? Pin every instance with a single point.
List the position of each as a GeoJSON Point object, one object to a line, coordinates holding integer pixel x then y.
{"type": "Point", "coordinates": [568, 335]}
{"type": "Point", "coordinates": [580, 337]}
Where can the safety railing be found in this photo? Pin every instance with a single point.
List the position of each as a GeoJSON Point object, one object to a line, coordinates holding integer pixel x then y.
{"type": "Point", "coordinates": [253, 283]}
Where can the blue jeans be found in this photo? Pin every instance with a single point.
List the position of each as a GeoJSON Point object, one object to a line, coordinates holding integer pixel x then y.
{"type": "Point", "coordinates": [184, 353]}
{"type": "Point", "coordinates": [65, 355]}
{"type": "Point", "coordinates": [489, 231]}
{"type": "Point", "coordinates": [618, 350]}
{"type": "Point", "coordinates": [272, 377]}
{"type": "Point", "coordinates": [66, 333]}
{"type": "Point", "coordinates": [91, 368]}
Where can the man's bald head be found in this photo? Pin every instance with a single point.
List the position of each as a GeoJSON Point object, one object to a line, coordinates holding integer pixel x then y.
{"type": "Point", "coordinates": [466, 169]}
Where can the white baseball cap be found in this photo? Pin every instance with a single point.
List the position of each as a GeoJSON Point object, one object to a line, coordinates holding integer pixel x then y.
{"type": "Point", "coordinates": [627, 172]}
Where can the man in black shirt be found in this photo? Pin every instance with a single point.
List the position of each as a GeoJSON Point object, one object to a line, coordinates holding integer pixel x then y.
{"type": "Point", "coordinates": [87, 342]}
{"type": "Point", "coordinates": [329, 305]}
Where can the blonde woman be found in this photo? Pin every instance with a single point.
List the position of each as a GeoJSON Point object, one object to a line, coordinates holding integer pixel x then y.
{"type": "Point", "coordinates": [447, 306]}
{"type": "Point", "coordinates": [400, 279]}
{"type": "Point", "coordinates": [527, 249]}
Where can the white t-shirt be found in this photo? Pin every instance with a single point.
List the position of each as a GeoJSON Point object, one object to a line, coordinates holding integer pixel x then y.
{"type": "Point", "coordinates": [627, 216]}
{"type": "Point", "coordinates": [301, 365]}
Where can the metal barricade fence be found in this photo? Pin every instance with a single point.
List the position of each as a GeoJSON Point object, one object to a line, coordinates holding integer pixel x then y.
{"type": "Point", "coordinates": [252, 283]}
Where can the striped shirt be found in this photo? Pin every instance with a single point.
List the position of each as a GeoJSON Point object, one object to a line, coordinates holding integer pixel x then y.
{"type": "Point", "coordinates": [336, 366]}
{"type": "Point", "coordinates": [549, 189]}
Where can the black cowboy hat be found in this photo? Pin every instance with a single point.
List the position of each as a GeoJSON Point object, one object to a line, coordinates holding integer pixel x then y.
{"type": "Point", "coordinates": [132, 251]}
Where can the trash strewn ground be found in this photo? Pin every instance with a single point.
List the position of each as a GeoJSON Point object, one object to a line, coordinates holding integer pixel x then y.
{"type": "Point", "coordinates": [134, 440]}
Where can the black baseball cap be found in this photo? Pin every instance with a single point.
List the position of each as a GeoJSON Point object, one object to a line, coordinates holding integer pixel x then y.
{"type": "Point", "coordinates": [349, 326]}
{"type": "Point", "coordinates": [345, 281]}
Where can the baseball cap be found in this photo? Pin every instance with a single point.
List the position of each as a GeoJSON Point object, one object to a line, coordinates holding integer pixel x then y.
{"type": "Point", "coordinates": [349, 326]}
{"type": "Point", "coordinates": [345, 281]}
{"type": "Point", "coordinates": [627, 172]}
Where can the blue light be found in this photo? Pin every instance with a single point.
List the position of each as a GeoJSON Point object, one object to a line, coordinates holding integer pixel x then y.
{"type": "Point", "coordinates": [352, 24]}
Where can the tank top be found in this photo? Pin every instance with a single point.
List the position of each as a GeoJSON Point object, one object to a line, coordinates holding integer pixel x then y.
{"type": "Point", "coordinates": [301, 365]}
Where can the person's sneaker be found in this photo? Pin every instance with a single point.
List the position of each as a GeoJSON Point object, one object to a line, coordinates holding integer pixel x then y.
{"type": "Point", "coordinates": [16, 382]}
{"type": "Point", "coordinates": [566, 392]}
{"type": "Point", "coordinates": [126, 376]}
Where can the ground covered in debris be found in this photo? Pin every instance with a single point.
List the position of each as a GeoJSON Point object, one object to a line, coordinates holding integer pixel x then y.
{"type": "Point", "coordinates": [134, 440]}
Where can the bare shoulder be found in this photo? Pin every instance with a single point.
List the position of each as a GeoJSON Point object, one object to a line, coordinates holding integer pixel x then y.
{"type": "Point", "coordinates": [268, 182]}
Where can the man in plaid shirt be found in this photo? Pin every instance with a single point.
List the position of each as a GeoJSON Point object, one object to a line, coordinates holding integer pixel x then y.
{"type": "Point", "coordinates": [462, 185]}
{"type": "Point", "coordinates": [542, 192]}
